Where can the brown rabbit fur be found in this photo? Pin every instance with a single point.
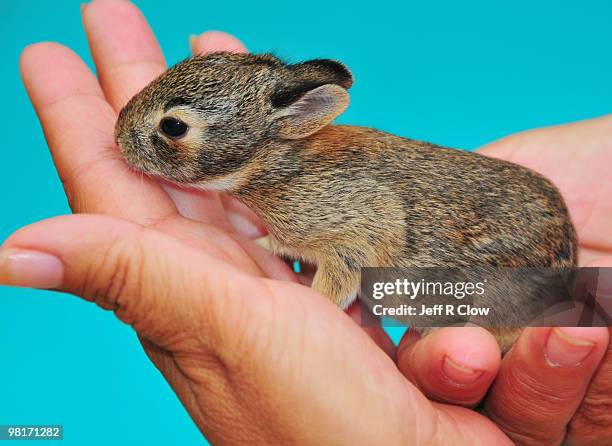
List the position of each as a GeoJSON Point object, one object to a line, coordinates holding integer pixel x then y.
{"type": "Point", "coordinates": [342, 197]}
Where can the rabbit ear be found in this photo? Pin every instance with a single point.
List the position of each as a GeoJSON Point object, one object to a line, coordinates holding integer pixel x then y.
{"type": "Point", "coordinates": [312, 97]}
{"type": "Point", "coordinates": [322, 71]}
{"type": "Point", "coordinates": [306, 76]}
{"type": "Point", "coordinates": [311, 111]}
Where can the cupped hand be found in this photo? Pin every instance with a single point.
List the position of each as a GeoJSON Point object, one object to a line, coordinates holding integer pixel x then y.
{"type": "Point", "coordinates": [554, 384]}
{"type": "Point", "coordinates": [573, 392]}
{"type": "Point", "coordinates": [253, 356]}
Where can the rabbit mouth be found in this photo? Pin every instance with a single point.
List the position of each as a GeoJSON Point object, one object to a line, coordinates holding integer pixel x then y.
{"type": "Point", "coordinates": [134, 151]}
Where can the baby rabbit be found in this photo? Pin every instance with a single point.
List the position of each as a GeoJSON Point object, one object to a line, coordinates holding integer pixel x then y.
{"type": "Point", "coordinates": [339, 196]}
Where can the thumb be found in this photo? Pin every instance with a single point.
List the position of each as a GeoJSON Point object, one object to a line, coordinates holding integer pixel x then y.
{"type": "Point", "coordinates": [159, 285]}
{"type": "Point", "coordinates": [178, 298]}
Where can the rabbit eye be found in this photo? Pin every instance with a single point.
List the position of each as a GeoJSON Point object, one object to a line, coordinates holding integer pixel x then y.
{"type": "Point", "coordinates": [173, 128]}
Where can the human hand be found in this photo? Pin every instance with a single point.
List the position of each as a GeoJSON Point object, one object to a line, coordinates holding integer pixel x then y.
{"type": "Point", "coordinates": [253, 360]}
{"type": "Point", "coordinates": [540, 397]}
{"type": "Point", "coordinates": [254, 356]}
{"type": "Point", "coordinates": [576, 157]}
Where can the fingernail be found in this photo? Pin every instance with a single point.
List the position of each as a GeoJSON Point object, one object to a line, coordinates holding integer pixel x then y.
{"type": "Point", "coordinates": [32, 269]}
{"type": "Point", "coordinates": [460, 373]}
{"type": "Point", "coordinates": [212, 41]}
{"type": "Point", "coordinates": [563, 348]}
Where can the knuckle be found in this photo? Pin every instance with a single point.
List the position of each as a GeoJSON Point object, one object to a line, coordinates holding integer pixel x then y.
{"type": "Point", "coordinates": [511, 406]}
{"type": "Point", "coordinates": [596, 410]}
{"type": "Point", "coordinates": [114, 276]}
{"type": "Point", "coordinates": [554, 397]}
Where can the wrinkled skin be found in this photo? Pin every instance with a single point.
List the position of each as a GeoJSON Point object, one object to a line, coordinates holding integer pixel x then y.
{"type": "Point", "coordinates": [254, 356]}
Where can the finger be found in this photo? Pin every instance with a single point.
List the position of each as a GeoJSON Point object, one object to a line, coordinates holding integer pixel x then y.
{"type": "Point", "coordinates": [376, 333]}
{"type": "Point", "coordinates": [127, 269]}
{"type": "Point", "coordinates": [238, 217]}
{"type": "Point", "coordinates": [128, 57]}
{"type": "Point", "coordinates": [212, 41]}
{"type": "Point", "coordinates": [542, 381]}
{"type": "Point", "coordinates": [459, 426]}
{"type": "Point", "coordinates": [242, 219]}
{"type": "Point", "coordinates": [455, 365]}
{"type": "Point", "coordinates": [218, 209]}
{"type": "Point", "coordinates": [79, 125]}
{"type": "Point", "coordinates": [183, 302]}
{"type": "Point", "coordinates": [344, 369]}
{"type": "Point", "coordinates": [592, 423]}
{"type": "Point", "coordinates": [124, 49]}
{"type": "Point", "coordinates": [587, 256]}
{"type": "Point", "coordinates": [202, 206]}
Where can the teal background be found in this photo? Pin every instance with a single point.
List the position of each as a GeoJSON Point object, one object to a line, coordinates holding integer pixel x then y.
{"type": "Point", "coordinates": [456, 73]}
